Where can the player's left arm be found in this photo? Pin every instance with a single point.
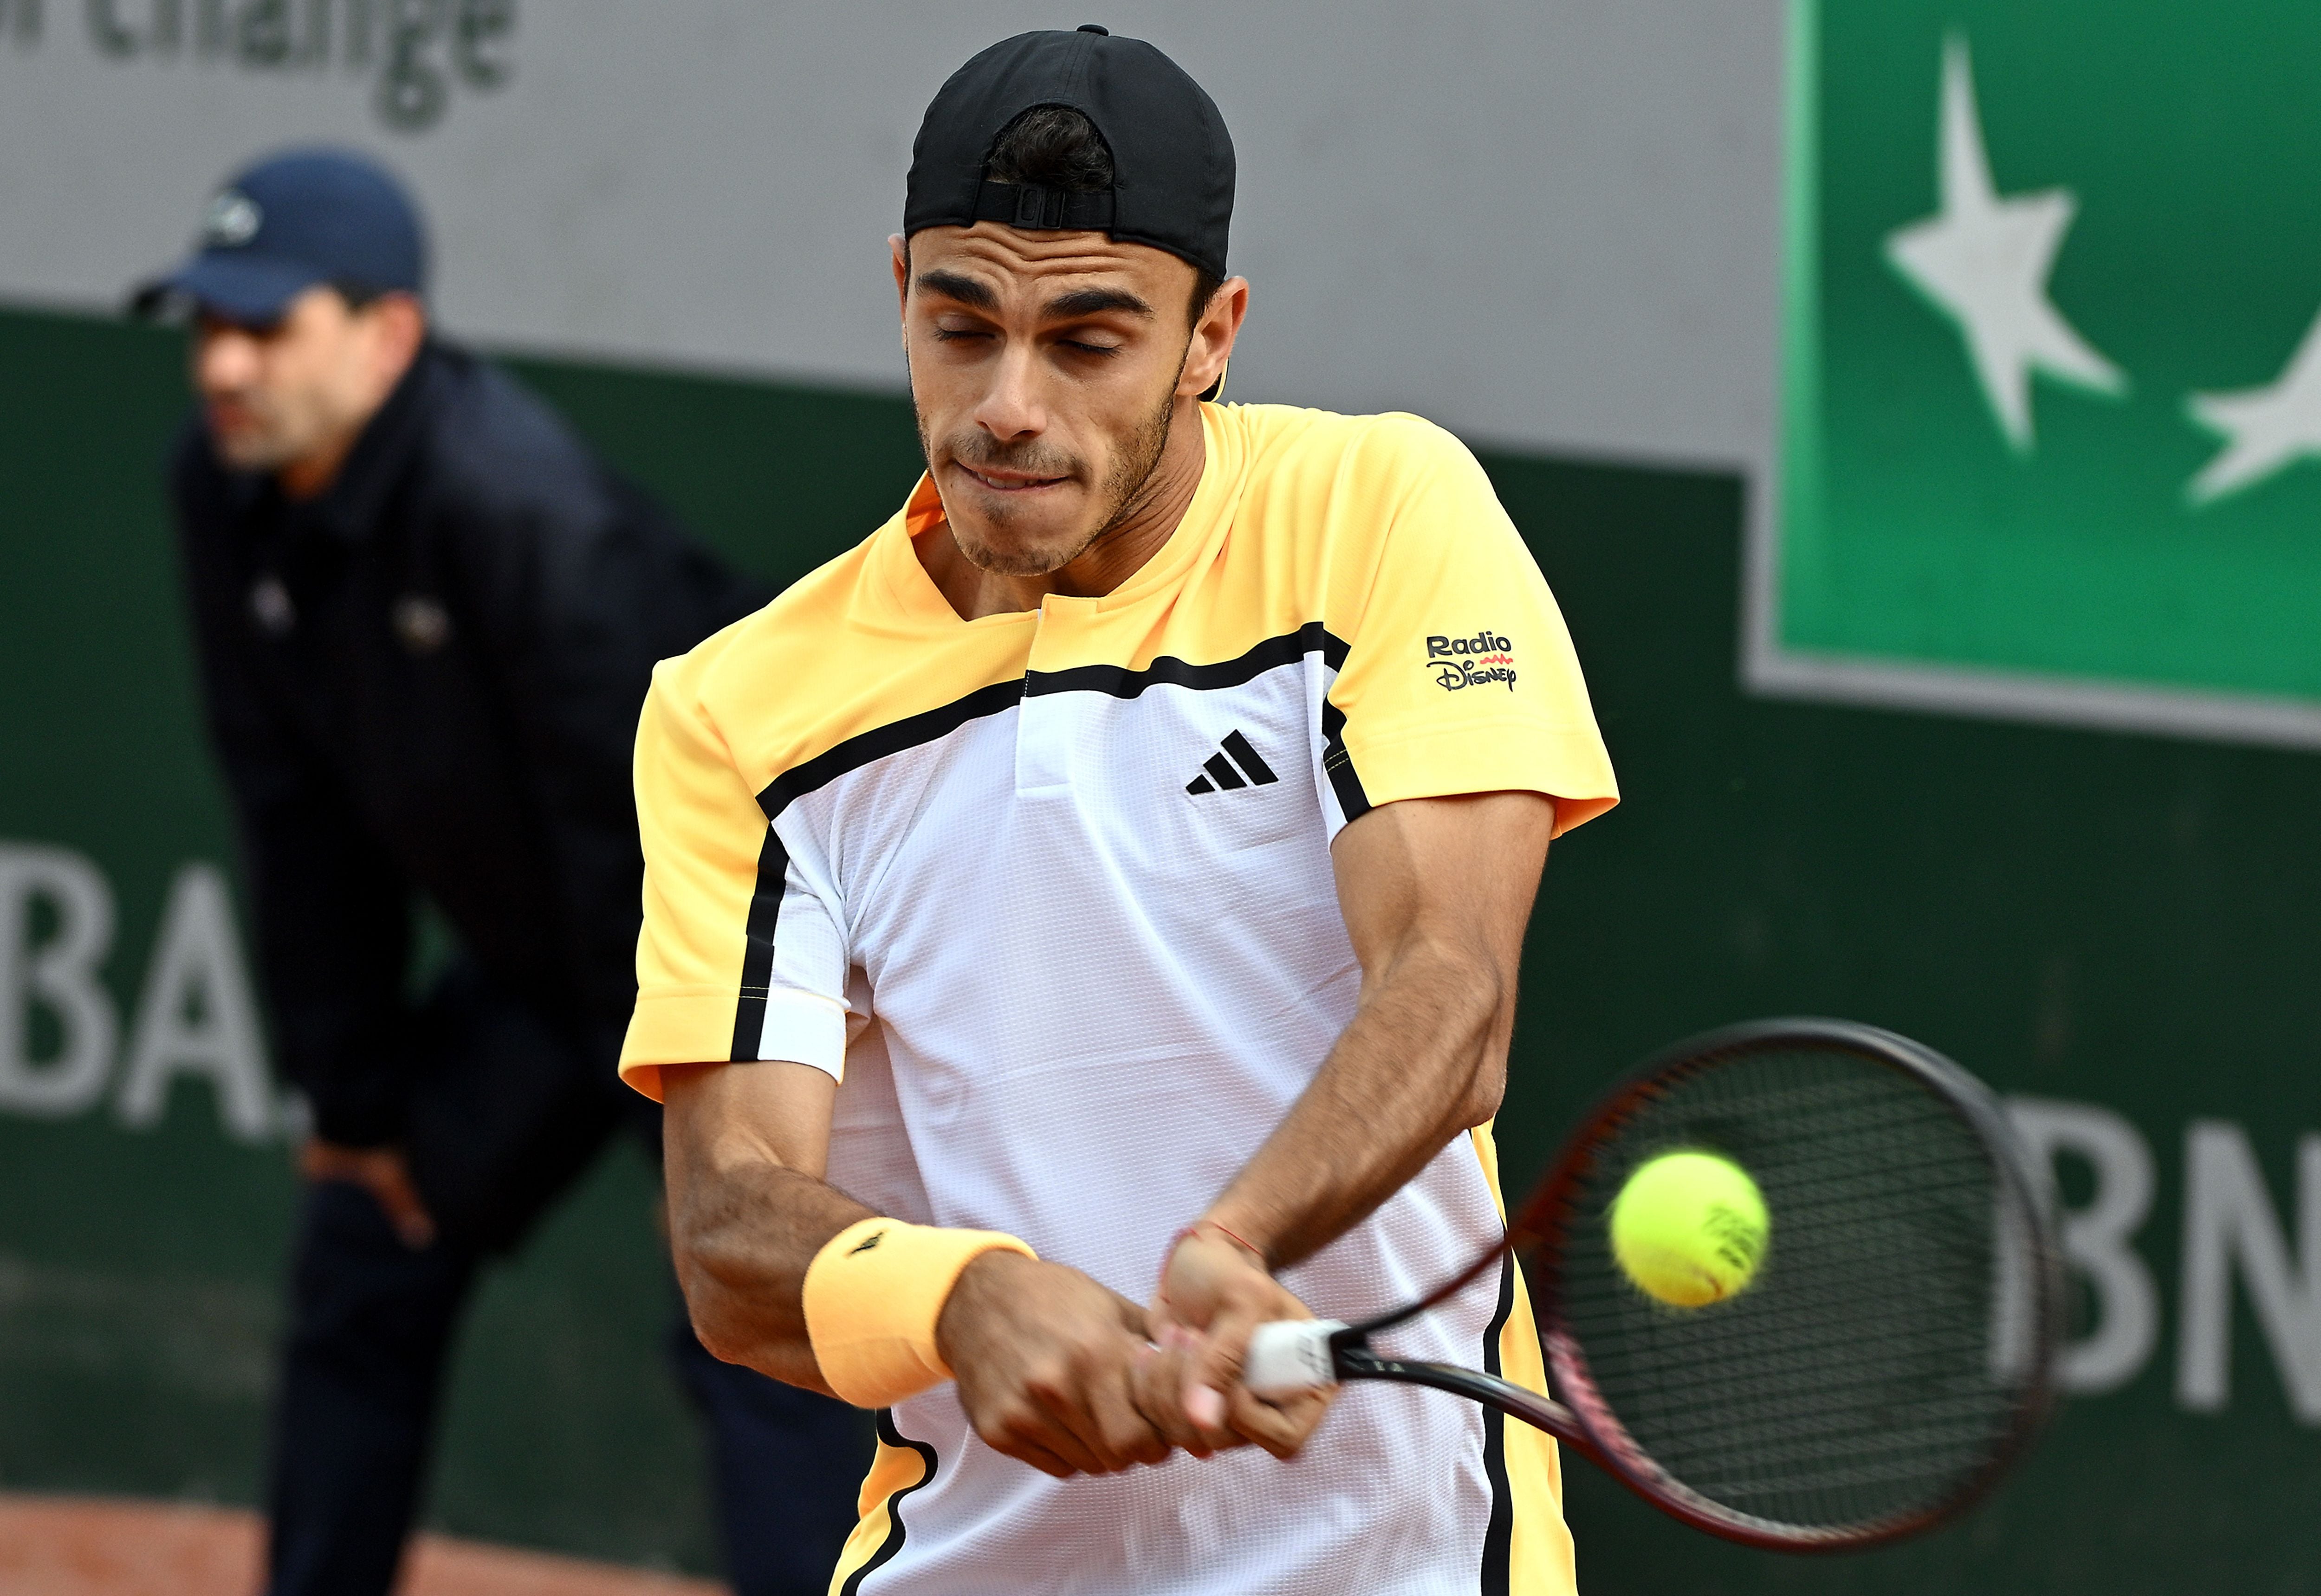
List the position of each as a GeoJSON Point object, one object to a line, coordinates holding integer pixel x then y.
{"type": "Point", "coordinates": [1436, 893]}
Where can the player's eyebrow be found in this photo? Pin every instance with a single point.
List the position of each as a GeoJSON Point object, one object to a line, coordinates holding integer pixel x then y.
{"type": "Point", "coordinates": [966, 290]}
{"type": "Point", "coordinates": [1095, 302]}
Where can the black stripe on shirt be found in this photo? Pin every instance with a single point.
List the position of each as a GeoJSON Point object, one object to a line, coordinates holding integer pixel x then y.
{"type": "Point", "coordinates": [758, 948]}
{"type": "Point", "coordinates": [1339, 765]}
{"type": "Point", "coordinates": [893, 1544]}
{"type": "Point", "coordinates": [894, 737]}
{"type": "Point", "coordinates": [1120, 682]}
{"type": "Point", "coordinates": [1498, 1536]}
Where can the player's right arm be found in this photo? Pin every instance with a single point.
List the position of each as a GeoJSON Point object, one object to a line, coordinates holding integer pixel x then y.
{"type": "Point", "coordinates": [745, 1149]}
{"type": "Point", "coordinates": [1044, 1355]}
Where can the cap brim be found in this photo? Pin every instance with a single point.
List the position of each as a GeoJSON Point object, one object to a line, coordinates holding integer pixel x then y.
{"type": "Point", "coordinates": [253, 290]}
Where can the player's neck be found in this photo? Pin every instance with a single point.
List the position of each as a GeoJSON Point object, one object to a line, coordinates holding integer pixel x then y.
{"type": "Point", "coordinates": [1124, 549]}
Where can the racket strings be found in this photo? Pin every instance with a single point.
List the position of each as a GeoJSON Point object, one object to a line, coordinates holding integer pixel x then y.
{"type": "Point", "coordinates": [1858, 1378]}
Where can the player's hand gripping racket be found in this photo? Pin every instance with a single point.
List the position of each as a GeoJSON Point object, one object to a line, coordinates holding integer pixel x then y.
{"type": "Point", "coordinates": [1891, 1352]}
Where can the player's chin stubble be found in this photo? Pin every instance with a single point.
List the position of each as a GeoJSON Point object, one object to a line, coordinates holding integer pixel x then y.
{"type": "Point", "coordinates": [1124, 486]}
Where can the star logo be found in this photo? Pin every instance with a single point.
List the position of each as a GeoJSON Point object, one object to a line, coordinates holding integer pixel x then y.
{"type": "Point", "coordinates": [1984, 261]}
{"type": "Point", "coordinates": [2266, 429]}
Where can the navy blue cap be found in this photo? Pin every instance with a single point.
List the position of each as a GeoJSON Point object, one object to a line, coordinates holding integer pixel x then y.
{"type": "Point", "coordinates": [291, 221]}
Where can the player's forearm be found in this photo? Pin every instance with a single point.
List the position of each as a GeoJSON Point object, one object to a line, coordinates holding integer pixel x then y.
{"type": "Point", "coordinates": [745, 1224]}
{"type": "Point", "coordinates": [742, 1246]}
{"type": "Point", "coordinates": [1424, 1059]}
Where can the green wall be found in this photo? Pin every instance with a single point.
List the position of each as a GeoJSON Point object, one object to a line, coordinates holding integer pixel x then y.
{"type": "Point", "coordinates": [2115, 921]}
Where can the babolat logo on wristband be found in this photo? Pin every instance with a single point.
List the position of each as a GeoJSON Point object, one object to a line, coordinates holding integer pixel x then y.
{"type": "Point", "coordinates": [1470, 662]}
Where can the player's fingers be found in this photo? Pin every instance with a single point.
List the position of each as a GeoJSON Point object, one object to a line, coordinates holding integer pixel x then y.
{"type": "Point", "coordinates": [1281, 1426]}
{"type": "Point", "coordinates": [1029, 1429]}
{"type": "Point", "coordinates": [1040, 1458]}
{"type": "Point", "coordinates": [1159, 1384]}
{"type": "Point", "coordinates": [1127, 1434]}
{"type": "Point", "coordinates": [1212, 1369]}
{"type": "Point", "coordinates": [1226, 1341]}
{"type": "Point", "coordinates": [1072, 1393]}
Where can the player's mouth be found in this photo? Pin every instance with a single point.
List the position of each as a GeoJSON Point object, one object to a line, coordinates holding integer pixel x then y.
{"type": "Point", "coordinates": [1012, 482]}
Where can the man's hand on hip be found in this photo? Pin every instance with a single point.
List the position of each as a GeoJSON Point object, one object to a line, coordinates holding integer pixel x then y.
{"type": "Point", "coordinates": [1214, 1293]}
{"type": "Point", "coordinates": [385, 1172]}
{"type": "Point", "coordinates": [1046, 1361]}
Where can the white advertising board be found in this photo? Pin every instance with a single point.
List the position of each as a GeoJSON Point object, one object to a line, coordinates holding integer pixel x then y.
{"type": "Point", "coordinates": [1546, 225]}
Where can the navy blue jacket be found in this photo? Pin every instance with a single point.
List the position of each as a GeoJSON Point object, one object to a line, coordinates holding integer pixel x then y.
{"type": "Point", "coordinates": [427, 680]}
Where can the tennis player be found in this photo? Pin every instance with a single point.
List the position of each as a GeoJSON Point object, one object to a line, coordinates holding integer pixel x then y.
{"type": "Point", "coordinates": [1082, 922]}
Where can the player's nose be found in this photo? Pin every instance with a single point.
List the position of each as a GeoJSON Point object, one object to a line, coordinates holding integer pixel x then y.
{"type": "Point", "coordinates": [1011, 406]}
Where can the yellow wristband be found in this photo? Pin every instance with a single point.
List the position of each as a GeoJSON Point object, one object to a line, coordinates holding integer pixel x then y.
{"type": "Point", "coordinates": [873, 1294]}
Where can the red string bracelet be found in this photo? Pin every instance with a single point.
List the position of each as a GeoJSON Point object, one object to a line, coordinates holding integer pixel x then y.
{"type": "Point", "coordinates": [1195, 1229]}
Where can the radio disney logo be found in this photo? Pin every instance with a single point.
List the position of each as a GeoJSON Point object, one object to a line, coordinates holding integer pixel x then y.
{"type": "Point", "coordinates": [1471, 662]}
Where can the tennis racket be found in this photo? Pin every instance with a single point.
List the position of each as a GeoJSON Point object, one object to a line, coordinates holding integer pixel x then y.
{"type": "Point", "coordinates": [1892, 1355]}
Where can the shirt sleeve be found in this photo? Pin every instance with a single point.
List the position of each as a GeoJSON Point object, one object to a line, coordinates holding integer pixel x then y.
{"type": "Point", "coordinates": [743, 952]}
{"type": "Point", "coordinates": [1459, 675]}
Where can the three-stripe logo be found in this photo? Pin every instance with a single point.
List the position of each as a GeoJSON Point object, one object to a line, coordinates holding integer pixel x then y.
{"type": "Point", "coordinates": [1237, 766]}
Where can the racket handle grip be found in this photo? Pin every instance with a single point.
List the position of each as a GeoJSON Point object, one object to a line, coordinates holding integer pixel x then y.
{"type": "Point", "coordinates": [1290, 1355]}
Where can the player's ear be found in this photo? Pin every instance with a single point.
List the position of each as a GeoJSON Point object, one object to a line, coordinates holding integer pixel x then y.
{"type": "Point", "coordinates": [1214, 334]}
{"type": "Point", "coordinates": [900, 248]}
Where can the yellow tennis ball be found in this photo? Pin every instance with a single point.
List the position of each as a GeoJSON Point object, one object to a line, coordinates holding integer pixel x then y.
{"type": "Point", "coordinates": [1689, 1229]}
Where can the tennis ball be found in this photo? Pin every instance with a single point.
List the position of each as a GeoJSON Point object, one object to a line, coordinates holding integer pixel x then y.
{"type": "Point", "coordinates": [1689, 1229]}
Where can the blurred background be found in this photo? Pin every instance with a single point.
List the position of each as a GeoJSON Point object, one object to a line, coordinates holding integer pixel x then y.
{"type": "Point", "coordinates": [1961, 663]}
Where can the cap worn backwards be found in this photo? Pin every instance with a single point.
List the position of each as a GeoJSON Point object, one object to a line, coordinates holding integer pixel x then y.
{"type": "Point", "coordinates": [289, 223]}
{"type": "Point", "coordinates": [1172, 159]}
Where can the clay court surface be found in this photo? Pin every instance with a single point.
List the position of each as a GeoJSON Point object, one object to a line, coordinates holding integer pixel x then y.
{"type": "Point", "coordinates": [64, 1546]}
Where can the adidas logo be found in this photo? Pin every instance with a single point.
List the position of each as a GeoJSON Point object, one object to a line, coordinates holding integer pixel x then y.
{"type": "Point", "coordinates": [1238, 766]}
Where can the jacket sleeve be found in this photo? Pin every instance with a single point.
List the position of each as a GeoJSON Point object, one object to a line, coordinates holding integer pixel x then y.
{"type": "Point", "coordinates": [331, 911]}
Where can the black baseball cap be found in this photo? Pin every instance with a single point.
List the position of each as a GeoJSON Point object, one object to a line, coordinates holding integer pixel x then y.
{"type": "Point", "coordinates": [291, 221]}
{"type": "Point", "coordinates": [1172, 160]}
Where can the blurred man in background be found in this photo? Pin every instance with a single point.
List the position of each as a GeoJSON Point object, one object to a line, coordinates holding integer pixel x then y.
{"type": "Point", "coordinates": [427, 618]}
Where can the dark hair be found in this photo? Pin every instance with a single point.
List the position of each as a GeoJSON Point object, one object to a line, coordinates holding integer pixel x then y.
{"type": "Point", "coordinates": [1057, 147]}
{"type": "Point", "coordinates": [1052, 146]}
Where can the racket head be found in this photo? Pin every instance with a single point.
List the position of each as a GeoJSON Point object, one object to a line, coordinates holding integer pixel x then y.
{"type": "Point", "coordinates": [1894, 1352]}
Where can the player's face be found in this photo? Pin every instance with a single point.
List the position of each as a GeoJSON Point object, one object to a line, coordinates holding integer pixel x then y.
{"type": "Point", "coordinates": [1045, 368]}
{"type": "Point", "coordinates": [275, 396]}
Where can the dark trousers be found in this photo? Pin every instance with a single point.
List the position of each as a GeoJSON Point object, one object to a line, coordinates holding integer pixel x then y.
{"type": "Point", "coordinates": [372, 1322]}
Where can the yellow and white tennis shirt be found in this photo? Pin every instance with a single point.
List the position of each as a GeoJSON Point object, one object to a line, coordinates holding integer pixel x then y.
{"type": "Point", "coordinates": [1051, 894]}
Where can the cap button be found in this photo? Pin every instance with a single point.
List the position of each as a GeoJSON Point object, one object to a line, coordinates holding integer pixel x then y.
{"type": "Point", "coordinates": [1092, 28]}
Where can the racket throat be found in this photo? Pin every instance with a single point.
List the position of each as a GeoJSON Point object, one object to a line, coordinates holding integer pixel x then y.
{"type": "Point", "coordinates": [1360, 1363]}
